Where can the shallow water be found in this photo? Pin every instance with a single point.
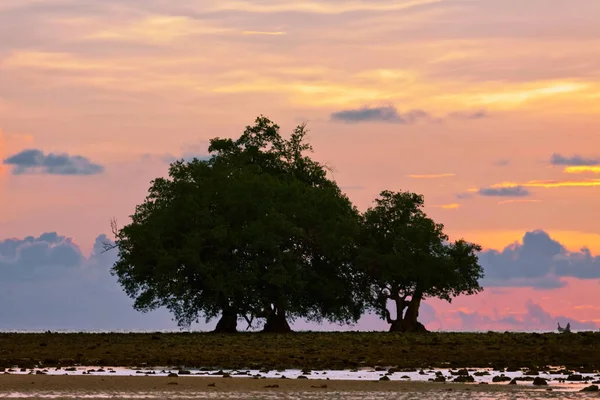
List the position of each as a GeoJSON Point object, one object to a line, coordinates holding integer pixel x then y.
{"type": "Point", "coordinates": [438, 395]}
{"type": "Point", "coordinates": [555, 381]}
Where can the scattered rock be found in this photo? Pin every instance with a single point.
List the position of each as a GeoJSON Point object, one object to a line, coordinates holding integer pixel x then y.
{"type": "Point", "coordinates": [464, 379]}
{"type": "Point", "coordinates": [302, 377]}
{"type": "Point", "coordinates": [184, 372]}
{"type": "Point", "coordinates": [591, 388]}
{"type": "Point", "coordinates": [501, 378]}
{"type": "Point", "coordinates": [319, 387]}
{"type": "Point", "coordinates": [272, 386]}
{"type": "Point", "coordinates": [575, 378]}
{"type": "Point", "coordinates": [532, 372]}
{"type": "Point", "coordinates": [460, 372]}
{"type": "Point", "coordinates": [439, 379]}
{"type": "Point", "coordinates": [537, 381]}
{"type": "Point", "coordinates": [384, 378]}
{"type": "Point", "coordinates": [172, 375]}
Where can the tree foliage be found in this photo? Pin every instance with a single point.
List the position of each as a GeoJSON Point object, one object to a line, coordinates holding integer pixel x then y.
{"type": "Point", "coordinates": [408, 257]}
{"type": "Point", "coordinates": [259, 231]}
{"type": "Point", "coordinates": [256, 231]}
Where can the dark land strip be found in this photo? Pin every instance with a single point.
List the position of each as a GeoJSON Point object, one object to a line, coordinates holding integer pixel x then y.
{"type": "Point", "coordinates": [303, 350]}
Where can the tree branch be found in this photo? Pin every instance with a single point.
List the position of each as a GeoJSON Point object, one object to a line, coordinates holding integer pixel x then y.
{"type": "Point", "coordinates": [107, 245]}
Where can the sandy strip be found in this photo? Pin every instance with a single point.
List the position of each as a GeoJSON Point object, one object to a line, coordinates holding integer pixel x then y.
{"type": "Point", "coordinates": [38, 383]}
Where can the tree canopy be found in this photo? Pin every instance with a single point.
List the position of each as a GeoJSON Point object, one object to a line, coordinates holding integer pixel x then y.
{"type": "Point", "coordinates": [259, 231]}
{"type": "Point", "coordinates": [256, 231]}
{"type": "Point", "coordinates": [407, 257]}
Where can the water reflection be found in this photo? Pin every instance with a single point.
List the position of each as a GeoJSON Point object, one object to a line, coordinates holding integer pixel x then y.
{"type": "Point", "coordinates": [258, 395]}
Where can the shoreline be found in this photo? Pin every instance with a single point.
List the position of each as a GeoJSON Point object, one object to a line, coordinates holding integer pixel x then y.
{"type": "Point", "coordinates": [135, 384]}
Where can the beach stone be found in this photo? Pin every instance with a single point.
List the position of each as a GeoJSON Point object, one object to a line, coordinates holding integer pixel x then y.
{"type": "Point", "coordinates": [384, 378]}
{"type": "Point", "coordinates": [460, 372]}
{"type": "Point", "coordinates": [501, 378]}
{"type": "Point", "coordinates": [481, 373]}
{"type": "Point", "coordinates": [184, 372]}
{"type": "Point", "coordinates": [591, 388]}
{"type": "Point", "coordinates": [172, 375]}
{"type": "Point", "coordinates": [512, 382]}
{"type": "Point", "coordinates": [532, 372]}
{"type": "Point", "coordinates": [537, 381]}
{"type": "Point", "coordinates": [439, 379]}
{"type": "Point", "coordinates": [575, 378]}
{"type": "Point", "coordinates": [302, 377]}
{"type": "Point", "coordinates": [464, 379]}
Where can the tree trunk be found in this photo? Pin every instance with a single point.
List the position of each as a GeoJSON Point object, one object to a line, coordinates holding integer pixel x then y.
{"type": "Point", "coordinates": [409, 322]}
{"type": "Point", "coordinates": [276, 322]}
{"type": "Point", "coordinates": [228, 322]}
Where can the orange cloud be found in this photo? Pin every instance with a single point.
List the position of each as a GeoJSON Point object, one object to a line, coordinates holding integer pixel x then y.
{"type": "Point", "coordinates": [452, 206]}
{"type": "Point", "coordinates": [275, 33]}
{"type": "Point", "coordinates": [319, 7]}
{"type": "Point", "coordinates": [157, 29]}
{"type": "Point", "coordinates": [510, 201]}
{"type": "Point", "coordinates": [579, 169]}
{"type": "Point", "coordinates": [431, 176]}
{"type": "Point", "coordinates": [550, 183]}
{"type": "Point", "coordinates": [499, 239]}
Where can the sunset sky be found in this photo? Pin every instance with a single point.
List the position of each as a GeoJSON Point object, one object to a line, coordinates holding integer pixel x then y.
{"type": "Point", "coordinates": [490, 108]}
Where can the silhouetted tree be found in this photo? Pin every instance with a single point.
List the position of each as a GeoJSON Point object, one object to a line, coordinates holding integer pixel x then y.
{"type": "Point", "coordinates": [256, 231]}
{"type": "Point", "coordinates": [407, 258]}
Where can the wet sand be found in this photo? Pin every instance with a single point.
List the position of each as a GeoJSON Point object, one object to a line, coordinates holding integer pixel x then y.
{"type": "Point", "coordinates": [92, 384]}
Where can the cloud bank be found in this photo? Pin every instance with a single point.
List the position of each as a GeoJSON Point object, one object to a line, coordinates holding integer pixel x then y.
{"type": "Point", "coordinates": [575, 160]}
{"type": "Point", "coordinates": [538, 262]}
{"type": "Point", "coordinates": [390, 114]}
{"type": "Point", "coordinates": [515, 191]}
{"type": "Point", "coordinates": [47, 283]}
{"type": "Point", "coordinates": [34, 161]}
{"type": "Point", "coordinates": [535, 318]}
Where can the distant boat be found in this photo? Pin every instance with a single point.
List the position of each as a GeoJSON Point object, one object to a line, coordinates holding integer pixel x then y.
{"type": "Point", "coordinates": [566, 329]}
